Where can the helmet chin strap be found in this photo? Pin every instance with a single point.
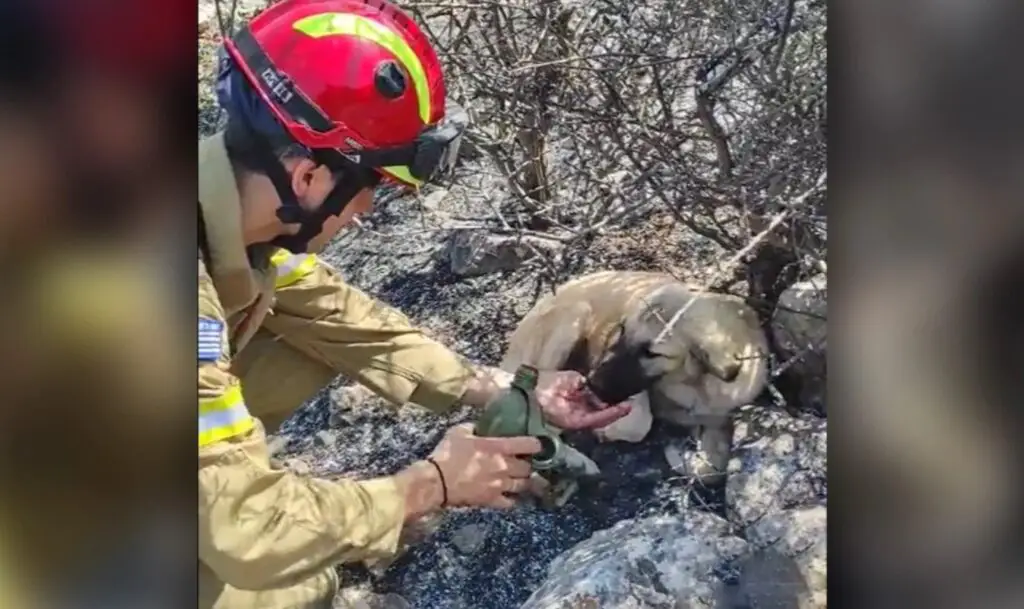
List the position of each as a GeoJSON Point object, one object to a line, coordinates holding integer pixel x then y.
{"type": "Point", "coordinates": [311, 223]}
{"type": "Point", "coordinates": [350, 179]}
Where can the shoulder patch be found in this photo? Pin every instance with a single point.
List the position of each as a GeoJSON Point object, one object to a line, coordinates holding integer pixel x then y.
{"type": "Point", "coordinates": [211, 339]}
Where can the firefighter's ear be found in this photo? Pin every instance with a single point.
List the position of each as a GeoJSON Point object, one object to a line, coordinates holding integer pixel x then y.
{"type": "Point", "coordinates": [311, 182]}
{"type": "Point", "coordinates": [303, 173]}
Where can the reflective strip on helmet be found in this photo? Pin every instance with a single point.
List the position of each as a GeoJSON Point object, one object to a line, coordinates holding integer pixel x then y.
{"type": "Point", "coordinates": [291, 268]}
{"type": "Point", "coordinates": [223, 417]}
{"type": "Point", "coordinates": [401, 172]}
{"type": "Point", "coordinates": [347, 24]}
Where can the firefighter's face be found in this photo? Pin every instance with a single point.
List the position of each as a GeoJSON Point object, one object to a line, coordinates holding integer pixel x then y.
{"type": "Point", "coordinates": [361, 204]}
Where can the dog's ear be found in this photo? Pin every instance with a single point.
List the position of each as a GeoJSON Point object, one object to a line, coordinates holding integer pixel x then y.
{"type": "Point", "coordinates": [724, 368]}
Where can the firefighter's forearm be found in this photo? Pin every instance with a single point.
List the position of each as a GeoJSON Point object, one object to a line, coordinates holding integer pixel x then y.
{"type": "Point", "coordinates": [368, 341]}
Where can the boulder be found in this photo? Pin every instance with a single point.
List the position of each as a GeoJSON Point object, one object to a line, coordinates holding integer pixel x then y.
{"type": "Point", "coordinates": [472, 252]}
{"type": "Point", "coordinates": [799, 327]}
{"type": "Point", "coordinates": [661, 562]}
{"type": "Point", "coordinates": [362, 597]}
{"type": "Point", "coordinates": [766, 579]}
{"type": "Point", "coordinates": [779, 462]}
{"type": "Point", "coordinates": [795, 540]}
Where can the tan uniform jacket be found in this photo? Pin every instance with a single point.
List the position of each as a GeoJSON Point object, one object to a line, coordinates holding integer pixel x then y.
{"type": "Point", "coordinates": [261, 528]}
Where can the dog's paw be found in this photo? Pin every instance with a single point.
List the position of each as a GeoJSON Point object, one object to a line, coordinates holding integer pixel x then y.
{"type": "Point", "coordinates": [692, 464]}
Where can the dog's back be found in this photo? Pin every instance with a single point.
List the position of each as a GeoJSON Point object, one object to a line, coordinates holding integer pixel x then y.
{"type": "Point", "coordinates": [569, 329]}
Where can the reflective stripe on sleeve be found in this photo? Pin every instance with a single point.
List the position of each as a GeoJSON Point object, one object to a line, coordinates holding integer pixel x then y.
{"type": "Point", "coordinates": [223, 417]}
{"type": "Point", "coordinates": [291, 267]}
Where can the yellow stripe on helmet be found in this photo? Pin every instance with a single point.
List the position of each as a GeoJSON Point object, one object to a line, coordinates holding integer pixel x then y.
{"type": "Point", "coordinates": [346, 24]}
{"type": "Point", "coordinates": [402, 173]}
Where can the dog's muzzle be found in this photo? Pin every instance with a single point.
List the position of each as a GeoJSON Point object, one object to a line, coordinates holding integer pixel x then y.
{"type": "Point", "coordinates": [595, 396]}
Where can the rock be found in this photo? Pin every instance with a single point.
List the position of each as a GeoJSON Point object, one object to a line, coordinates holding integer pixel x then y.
{"type": "Point", "coordinates": [294, 464]}
{"type": "Point", "coordinates": [472, 252]}
{"type": "Point", "coordinates": [432, 201]}
{"type": "Point", "coordinates": [336, 418]}
{"type": "Point", "coordinates": [470, 538]}
{"type": "Point", "coordinates": [277, 452]}
{"type": "Point", "coordinates": [778, 462]}
{"type": "Point", "coordinates": [327, 437]}
{"type": "Point", "coordinates": [800, 329]}
{"type": "Point", "coordinates": [676, 457]}
{"type": "Point", "coordinates": [348, 396]}
{"type": "Point", "coordinates": [657, 562]}
{"type": "Point", "coordinates": [787, 567]}
{"type": "Point", "coordinates": [685, 459]}
{"type": "Point", "coordinates": [277, 444]}
{"type": "Point", "coordinates": [343, 401]}
{"type": "Point", "coordinates": [361, 597]}
{"type": "Point", "coordinates": [413, 533]}
{"type": "Point", "coordinates": [767, 579]}
{"type": "Point", "coordinates": [800, 535]}
{"type": "Point", "coordinates": [800, 319]}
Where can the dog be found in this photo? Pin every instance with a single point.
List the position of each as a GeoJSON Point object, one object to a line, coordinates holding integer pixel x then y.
{"type": "Point", "coordinates": [676, 354]}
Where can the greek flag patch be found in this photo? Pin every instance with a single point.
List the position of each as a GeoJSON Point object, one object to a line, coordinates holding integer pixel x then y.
{"type": "Point", "coordinates": [211, 339]}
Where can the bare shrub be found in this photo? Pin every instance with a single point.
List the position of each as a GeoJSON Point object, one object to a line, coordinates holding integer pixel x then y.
{"type": "Point", "coordinates": [600, 113]}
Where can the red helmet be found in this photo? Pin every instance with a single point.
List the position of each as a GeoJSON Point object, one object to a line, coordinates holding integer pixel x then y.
{"type": "Point", "coordinates": [356, 76]}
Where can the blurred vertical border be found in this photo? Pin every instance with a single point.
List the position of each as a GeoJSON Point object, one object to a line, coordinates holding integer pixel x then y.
{"type": "Point", "coordinates": [97, 228]}
{"type": "Point", "coordinates": [927, 216]}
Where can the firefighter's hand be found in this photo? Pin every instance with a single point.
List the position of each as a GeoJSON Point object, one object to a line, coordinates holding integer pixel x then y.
{"type": "Point", "coordinates": [566, 405]}
{"type": "Point", "coordinates": [480, 471]}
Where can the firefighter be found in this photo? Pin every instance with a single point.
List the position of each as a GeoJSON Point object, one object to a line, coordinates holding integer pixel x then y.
{"type": "Point", "coordinates": [325, 100]}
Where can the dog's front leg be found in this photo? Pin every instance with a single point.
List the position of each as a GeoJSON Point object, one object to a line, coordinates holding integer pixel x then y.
{"type": "Point", "coordinates": [714, 448]}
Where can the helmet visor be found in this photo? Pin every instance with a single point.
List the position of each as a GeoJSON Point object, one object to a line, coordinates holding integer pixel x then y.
{"type": "Point", "coordinates": [432, 156]}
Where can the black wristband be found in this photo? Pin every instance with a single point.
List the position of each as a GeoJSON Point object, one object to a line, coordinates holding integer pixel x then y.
{"type": "Point", "coordinates": [444, 486]}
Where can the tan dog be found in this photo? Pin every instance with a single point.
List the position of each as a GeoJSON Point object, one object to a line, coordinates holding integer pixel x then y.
{"type": "Point", "coordinates": [612, 327]}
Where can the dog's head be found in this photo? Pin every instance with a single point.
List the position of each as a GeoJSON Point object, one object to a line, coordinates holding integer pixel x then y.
{"type": "Point", "coordinates": [639, 355]}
